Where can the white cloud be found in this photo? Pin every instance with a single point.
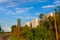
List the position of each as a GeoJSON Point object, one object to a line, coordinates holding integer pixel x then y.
{"type": "Point", "coordinates": [19, 11]}
{"type": "Point", "coordinates": [8, 3]}
{"type": "Point", "coordinates": [11, 4]}
{"type": "Point", "coordinates": [57, 1]}
{"type": "Point", "coordinates": [25, 17]}
{"type": "Point", "coordinates": [48, 6]}
{"type": "Point", "coordinates": [37, 13]}
{"type": "Point", "coordinates": [23, 1]}
{"type": "Point", "coordinates": [4, 25]}
{"type": "Point", "coordinates": [22, 10]}
{"type": "Point", "coordinates": [6, 11]}
{"type": "Point", "coordinates": [9, 12]}
{"type": "Point", "coordinates": [31, 17]}
{"type": "Point", "coordinates": [2, 8]}
{"type": "Point", "coordinates": [51, 6]}
{"type": "Point", "coordinates": [3, 0]}
{"type": "Point", "coordinates": [7, 29]}
{"type": "Point", "coordinates": [33, 1]}
{"type": "Point", "coordinates": [57, 4]}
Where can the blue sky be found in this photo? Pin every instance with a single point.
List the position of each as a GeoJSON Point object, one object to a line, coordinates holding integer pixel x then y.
{"type": "Point", "coordinates": [26, 10]}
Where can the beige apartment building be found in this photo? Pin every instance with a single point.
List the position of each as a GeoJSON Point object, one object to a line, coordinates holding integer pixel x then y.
{"type": "Point", "coordinates": [28, 24]}
{"type": "Point", "coordinates": [35, 23]}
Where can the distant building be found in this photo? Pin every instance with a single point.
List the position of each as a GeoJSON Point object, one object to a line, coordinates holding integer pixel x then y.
{"type": "Point", "coordinates": [35, 23]}
{"type": "Point", "coordinates": [28, 24]}
{"type": "Point", "coordinates": [51, 14]}
{"type": "Point", "coordinates": [47, 15]}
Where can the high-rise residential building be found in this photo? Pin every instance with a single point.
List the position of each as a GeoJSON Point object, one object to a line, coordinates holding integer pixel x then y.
{"type": "Point", "coordinates": [28, 24]}
{"type": "Point", "coordinates": [35, 23]}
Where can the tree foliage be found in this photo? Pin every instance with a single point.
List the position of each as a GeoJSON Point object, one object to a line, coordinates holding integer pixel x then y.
{"type": "Point", "coordinates": [44, 31]}
{"type": "Point", "coordinates": [0, 28]}
{"type": "Point", "coordinates": [41, 15]}
{"type": "Point", "coordinates": [13, 26]}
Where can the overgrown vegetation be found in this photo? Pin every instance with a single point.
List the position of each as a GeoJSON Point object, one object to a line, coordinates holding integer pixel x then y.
{"type": "Point", "coordinates": [45, 30]}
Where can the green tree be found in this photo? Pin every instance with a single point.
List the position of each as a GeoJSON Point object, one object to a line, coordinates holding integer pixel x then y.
{"type": "Point", "coordinates": [42, 33]}
{"type": "Point", "coordinates": [41, 15]}
{"type": "Point", "coordinates": [12, 28]}
{"type": "Point", "coordinates": [25, 33]}
{"type": "Point", "coordinates": [0, 28]}
{"type": "Point", "coordinates": [48, 26]}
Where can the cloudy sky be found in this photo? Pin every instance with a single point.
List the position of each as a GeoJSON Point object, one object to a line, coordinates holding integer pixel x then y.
{"type": "Point", "coordinates": [26, 10]}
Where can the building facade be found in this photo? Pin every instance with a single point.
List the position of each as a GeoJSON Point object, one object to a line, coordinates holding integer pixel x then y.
{"type": "Point", "coordinates": [28, 24]}
{"type": "Point", "coordinates": [35, 23]}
